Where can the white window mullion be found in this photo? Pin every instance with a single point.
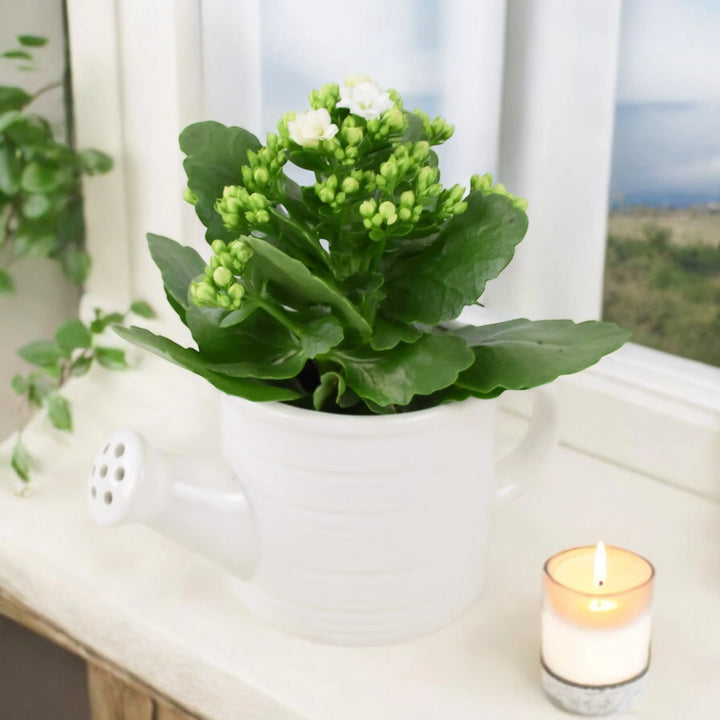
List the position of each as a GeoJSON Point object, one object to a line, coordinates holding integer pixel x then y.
{"type": "Point", "coordinates": [473, 43]}
{"type": "Point", "coordinates": [555, 149]}
{"type": "Point", "coordinates": [97, 96]}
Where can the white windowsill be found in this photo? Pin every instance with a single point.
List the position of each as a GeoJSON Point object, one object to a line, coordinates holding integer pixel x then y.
{"type": "Point", "coordinates": [173, 619]}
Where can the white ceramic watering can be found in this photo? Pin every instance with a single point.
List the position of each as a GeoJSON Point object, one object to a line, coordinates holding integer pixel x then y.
{"type": "Point", "coordinates": [347, 529]}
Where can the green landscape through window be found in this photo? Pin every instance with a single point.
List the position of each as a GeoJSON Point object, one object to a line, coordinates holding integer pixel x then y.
{"type": "Point", "coordinates": [662, 275]}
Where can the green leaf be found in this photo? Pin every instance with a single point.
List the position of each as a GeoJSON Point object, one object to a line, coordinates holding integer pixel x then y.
{"type": "Point", "coordinates": [7, 285]}
{"type": "Point", "coordinates": [29, 244]}
{"type": "Point", "coordinates": [72, 335]}
{"type": "Point", "coordinates": [234, 317]}
{"type": "Point", "coordinates": [436, 283]}
{"type": "Point", "coordinates": [16, 55]}
{"type": "Point", "coordinates": [12, 98]}
{"type": "Point", "coordinates": [259, 347]}
{"type": "Point", "coordinates": [80, 366]}
{"type": "Point", "coordinates": [59, 411]}
{"type": "Point", "coordinates": [38, 178]}
{"type": "Point", "coordinates": [9, 171]}
{"type": "Point", "coordinates": [521, 354]}
{"type": "Point", "coordinates": [75, 264]}
{"type": "Point", "coordinates": [320, 335]}
{"type": "Point", "coordinates": [9, 118]}
{"type": "Point", "coordinates": [392, 378]}
{"type": "Point", "coordinates": [102, 321]}
{"type": "Point", "coordinates": [30, 130]}
{"type": "Point", "coordinates": [215, 154]}
{"type": "Point", "coordinates": [142, 309]}
{"type": "Point", "coordinates": [111, 358]}
{"type": "Point", "coordinates": [95, 162]}
{"type": "Point", "coordinates": [32, 40]}
{"type": "Point", "coordinates": [295, 278]}
{"type": "Point", "coordinates": [21, 461]}
{"type": "Point", "coordinates": [191, 360]}
{"type": "Point", "coordinates": [332, 385]}
{"type": "Point", "coordinates": [308, 160]}
{"type": "Point", "coordinates": [42, 353]}
{"type": "Point", "coordinates": [388, 333]}
{"type": "Point", "coordinates": [179, 266]}
{"type": "Point", "coordinates": [36, 205]}
{"type": "Point", "coordinates": [19, 384]}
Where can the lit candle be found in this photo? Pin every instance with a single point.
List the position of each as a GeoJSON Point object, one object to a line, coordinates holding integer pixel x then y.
{"type": "Point", "coordinates": [596, 628]}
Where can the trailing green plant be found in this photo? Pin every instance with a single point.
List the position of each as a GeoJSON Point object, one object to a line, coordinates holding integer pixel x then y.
{"type": "Point", "coordinates": [71, 353]}
{"type": "Point", "coordinates": [41, 211]}
{"type": "Point", "coordinates": [336, 295]}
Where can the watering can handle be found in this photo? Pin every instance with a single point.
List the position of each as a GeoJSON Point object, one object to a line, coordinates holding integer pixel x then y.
{"type": "Point", "coordinates": [528, 459]}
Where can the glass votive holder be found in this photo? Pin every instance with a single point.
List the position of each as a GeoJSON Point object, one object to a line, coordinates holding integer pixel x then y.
{"type": "Point", "coordinates": [596, 623]}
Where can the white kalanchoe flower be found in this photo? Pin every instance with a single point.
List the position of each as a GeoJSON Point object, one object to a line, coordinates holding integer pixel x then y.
{"type": "Point", "coordinates": [362, 96]}
{"type": "Point", "coordinates": [309, 128]}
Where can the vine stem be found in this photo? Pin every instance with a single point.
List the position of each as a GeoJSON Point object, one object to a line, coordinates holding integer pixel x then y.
{"type": "Point", "coordinates": [44, 89]}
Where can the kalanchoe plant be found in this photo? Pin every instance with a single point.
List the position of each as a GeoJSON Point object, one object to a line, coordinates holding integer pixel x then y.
{"type": "Point", "coordinates": [336, 295]}
{"type": "Point", "coordinates": [40, 195]}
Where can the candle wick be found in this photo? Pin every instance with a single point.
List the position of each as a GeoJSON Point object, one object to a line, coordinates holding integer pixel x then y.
{"type": "Point", "coordinates": [601, 583]}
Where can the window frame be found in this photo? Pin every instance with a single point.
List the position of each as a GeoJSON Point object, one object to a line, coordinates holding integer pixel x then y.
{"type": "Point", "coordinates": [650, 411]}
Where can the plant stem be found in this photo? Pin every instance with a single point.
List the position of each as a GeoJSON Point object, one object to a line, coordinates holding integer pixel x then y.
{"type": "Point", "coordinates": [47, 88]}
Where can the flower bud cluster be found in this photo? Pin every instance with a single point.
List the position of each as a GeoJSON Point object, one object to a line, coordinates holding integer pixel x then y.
{"type": "Point", "coordinates": [391, 122]}
{"type": "Point", "coordinates": [378, 216]}
{"type": "Point", "coordinates": [219, 287]}
{"type": "Point", "coordinates": [335, 192]}
{"type": "Point", "coordinates": [326, 97]}
{"type": "Point", "coordinates": [484, 184]}
{"type": "Point", "coordinates": [264, 166]}
{"type": "Point", "coordinates": [437, 130]}
{"type": "Point", "coordinates": [237, 204]}
{"type": "Point", "coordinates": [406, 160]}
{"type": "Point", "coordinates": [450, 201]}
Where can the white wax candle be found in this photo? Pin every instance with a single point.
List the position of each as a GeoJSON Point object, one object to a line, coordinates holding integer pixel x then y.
{"type": "Point", "coordinates": [596, 623]}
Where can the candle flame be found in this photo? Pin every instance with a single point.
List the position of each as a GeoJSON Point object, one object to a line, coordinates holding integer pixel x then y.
{"type": "Point", "coordinates": [600, 565]}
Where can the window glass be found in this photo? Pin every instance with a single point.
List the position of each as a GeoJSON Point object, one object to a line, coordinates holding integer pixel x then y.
{"type": "Point", "coordinates": [662, 275]}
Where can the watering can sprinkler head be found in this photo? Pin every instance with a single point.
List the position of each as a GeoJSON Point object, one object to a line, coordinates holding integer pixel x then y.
{"type": "Point", "coordinates": [195, 499]}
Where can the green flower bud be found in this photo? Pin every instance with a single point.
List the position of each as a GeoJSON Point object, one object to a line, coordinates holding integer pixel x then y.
{"type": "Point", "coordinates": [352, 135]}
{"type": "Point", "coordinates": [421, 151]}
{"type": "Point", "coordinates": [236, 292]}
{"type": "Point", "coordinates": [350, 185]}
{"type": "Point", "coordinates": [222, 277]}
{"type": "Point", "coordinates": [460, 208]}
{"type": "Point", "coordinates": [203, 294]}
{"type": "Point", "coordinates": [261, 176]}
{"type": "Point", "coordinates": [521, 204]}
{"type": "Point", "coordinates": [217, 246]}
{"type": "Point", "coordinates": [241, 251]}
{"type": "Point", "coordinates": [407, 199]}
{"type": "Point", "coordinates": [189, 196]}
{"type": "Point", "coordinates": [394, 120]}
{"type": "Point", "coordinates": [325, 194]}
{"type": "Point", "coordinates": [387, 212]}
{"type": "Point", "coordinates": [258, 201]}
{"type": "Point", "coordinates": [405, 214]}
{"type": "Point", "coordinates": [483, 183]}
{"type": "Point", "coordinates": [262, 217]}
{"type": "Point", "coordinates": [368, 208]}
{"type": "Point", "coordinates": [247, 175]}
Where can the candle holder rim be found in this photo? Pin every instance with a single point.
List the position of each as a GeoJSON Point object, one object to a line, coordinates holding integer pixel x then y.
{"type": "Point", "coordinates": [643, 584]}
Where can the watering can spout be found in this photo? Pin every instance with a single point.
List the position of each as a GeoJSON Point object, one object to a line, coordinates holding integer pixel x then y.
{"type": "Point", "coordinates": [197, 500]}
